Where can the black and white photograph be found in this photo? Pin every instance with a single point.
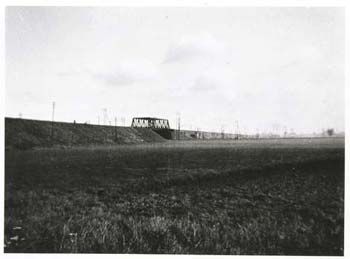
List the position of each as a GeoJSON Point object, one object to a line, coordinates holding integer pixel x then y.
{"type": "Point", "coordinates": [174, 130]}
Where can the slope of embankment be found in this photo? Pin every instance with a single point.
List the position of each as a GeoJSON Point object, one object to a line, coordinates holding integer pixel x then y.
{"type": "Point", "coordinates": [193, 134]}
{"type": "Point", "coordinates": [26, 134]}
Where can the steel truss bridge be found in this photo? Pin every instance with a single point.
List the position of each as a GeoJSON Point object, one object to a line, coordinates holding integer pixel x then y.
{"type": "Point", "coordinates": [160, 126]}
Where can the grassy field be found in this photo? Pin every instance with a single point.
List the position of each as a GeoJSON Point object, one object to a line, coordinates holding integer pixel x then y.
{"type": "Point", "coordinates": [205, 197]}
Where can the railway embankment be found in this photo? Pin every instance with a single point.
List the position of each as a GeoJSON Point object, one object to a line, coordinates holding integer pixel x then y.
{"type": "Point", "coordinates": [27, 134]}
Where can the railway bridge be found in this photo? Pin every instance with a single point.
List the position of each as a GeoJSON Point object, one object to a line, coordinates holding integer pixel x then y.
{"type": "Point", "coordinates": [160, 126]}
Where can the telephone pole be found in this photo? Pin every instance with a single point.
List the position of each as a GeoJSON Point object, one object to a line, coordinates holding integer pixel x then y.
{"type": "Point", "coordinates": [52, 118]}
{"type": "Point", "coordinates": [222, 131]}
{"type": "Point", "coordinates": [236, 129]}
{"type": "Point", "coordinates": [178, 125]}
{"type": "Point", "coordinates": [179, 129]}
{"type": "Point", "coordinates": [105, 116]}
{"type": "Point", "coordinates": [115, 129]}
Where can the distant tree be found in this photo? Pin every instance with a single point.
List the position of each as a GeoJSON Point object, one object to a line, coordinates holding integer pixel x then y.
{"type": "Point", "coordinates": [330, 132]}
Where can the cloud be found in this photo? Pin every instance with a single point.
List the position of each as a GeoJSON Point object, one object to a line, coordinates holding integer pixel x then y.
{"type": "Point", "coordinates": [200, 64]}
{"type": "Point", "coordinates": [68, 73]}
{"type": "Point", "coordinates": [194, 47]}
{"type": "Point", "coordinates": [203, 84]}
{"type": "Point", "coordinates": [118, 74]}
{"type": "Point", "coordinates": [115, 79]}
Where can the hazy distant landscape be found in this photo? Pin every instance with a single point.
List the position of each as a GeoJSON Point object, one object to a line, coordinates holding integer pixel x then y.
{"type": "Point", "coordinates": [200, 197]}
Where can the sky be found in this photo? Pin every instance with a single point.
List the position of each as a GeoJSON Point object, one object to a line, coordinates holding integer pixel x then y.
{"type": "Point", "coordinates": [269, 69]}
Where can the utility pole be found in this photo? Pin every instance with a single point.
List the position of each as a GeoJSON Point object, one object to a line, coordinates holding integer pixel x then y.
{"type": "Point", "coordinates": [52, 118]}
{"type": "Point", "coordinates": [105, 116]}
{"type": "Point", "coordinates": [115, 129]}
{"type": "Point", "coordinates": [236, 129]}
{"type": "Point", "coordinates": [285, 133]}
{"type": "Point", "coordinates": [199, 135]}
{"type": "Point", "coordinates": [98, 120]}
{"type": "Point", "coordinates": [178, 126]}
{"type": "Point", "coordinates": [222, 131]}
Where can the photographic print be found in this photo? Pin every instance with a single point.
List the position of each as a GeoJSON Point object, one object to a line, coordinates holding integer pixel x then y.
{"type": "Point", "coordinates": [174, 130]}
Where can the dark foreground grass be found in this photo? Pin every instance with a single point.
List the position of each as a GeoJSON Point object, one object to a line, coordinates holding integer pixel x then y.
{"type": "Point", "coordinates": [264, 197]}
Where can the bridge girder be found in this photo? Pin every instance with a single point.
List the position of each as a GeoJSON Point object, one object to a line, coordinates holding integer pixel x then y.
{"type": "Point", "coordinates": [147, 122]}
